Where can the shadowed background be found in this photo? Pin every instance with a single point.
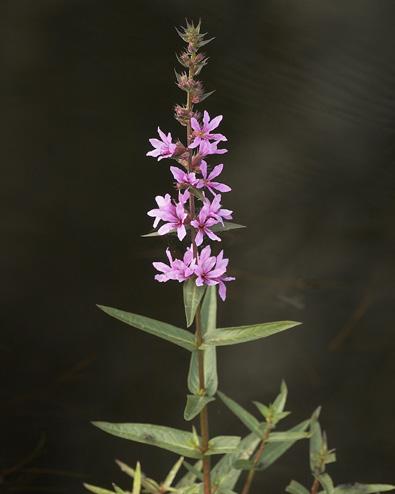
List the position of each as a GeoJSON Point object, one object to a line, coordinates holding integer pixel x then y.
{"type": "Point", "coordinates": [306, 90]}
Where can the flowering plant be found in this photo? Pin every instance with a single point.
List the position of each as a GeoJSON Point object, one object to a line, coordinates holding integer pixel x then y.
{"type": "Point", "coordinates": [196, 216]}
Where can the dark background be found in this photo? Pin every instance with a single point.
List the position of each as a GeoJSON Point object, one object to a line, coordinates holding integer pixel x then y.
{"type": "Point", "coordinates": [307, 92]}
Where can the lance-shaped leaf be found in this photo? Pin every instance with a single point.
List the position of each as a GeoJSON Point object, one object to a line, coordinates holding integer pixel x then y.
{"type": "Point", "coordinates": [363, 488]}
{"type": "Point", "coordinates": [215, 228]}
{"type": "Point", "coordinates": [193, 470]}
{"type": "Point", "coordinates": [221, 445]}
{"type": "Point", "coordinates": [326, 482]}
{"type": "Point", "coordinates": [224, 475]}
{"type": "Point", "coordinates": [192, 297]}
{"type": "Point", "coordinates": [243, 334]}
{"type": "Point", "coordinates": [137, 480]}
{"type": "Point", "coordinates": [190, 477]}
{"type": "Point", "coordinates": [172, 474]}
{"type": "Point", "coordinates": [97, 490]}
{"type": "Point", "coordinates": [273, 451]}
{"type": "Point", "coordinates": [175, 440]}
{"type": "Point", "coordinates": [219, 227]}
{"type": "Point", "coordinates": [316, 444]}
{"type": "Point", "coordinates": [248, 420]}
{"type": "Point", "coordinates": [208, 323]}
{"type": "Point", "coordinates": [279, 437]}
{"type": "Point", "coordinates": [118, 490]}
{"type": "Point", "coordinates": [150, 485]}
{"type": "Point", "coordinates": [195, 405]}
{"type": "Point", "coordinates": [161, 329]}
{"type": "Point", "coordinates": [296, 488]}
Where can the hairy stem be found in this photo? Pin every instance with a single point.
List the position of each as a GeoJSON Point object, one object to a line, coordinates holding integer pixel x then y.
{"type": "Point", "coordinates": [255, 461]}
{"type": "Point", "coordinates": [204, 430]}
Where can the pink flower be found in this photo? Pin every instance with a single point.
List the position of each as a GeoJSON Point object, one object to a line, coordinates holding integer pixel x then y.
{"type": "Point", "coordinates": [203, 132]}
{"type": "Point", "coordinates": [207, 180]}
{"type": "Point", "coordinates": [206, 148]}
{"type": "Point", "coordinates": [184, 179]}
{"type": "Point", "coordinates": [216, 211]}
{"type": "Point", "coordinates": [203, 223]}
{"type": "Point", "coordinates": [163, 148]}
{"type": "Point", "coordinates": [173, 215]}
{"type": "Point", "coordinates": [177, 269]}
{"type": "Point", "coordinates": [210, 270]}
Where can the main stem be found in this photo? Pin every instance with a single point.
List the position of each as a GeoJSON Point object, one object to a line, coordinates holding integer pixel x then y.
{"type": "Point", "coordinates": [204, 430]}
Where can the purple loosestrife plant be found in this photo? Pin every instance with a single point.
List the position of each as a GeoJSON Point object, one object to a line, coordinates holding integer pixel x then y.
{"type": "Point", "coordinates": [194, 213]}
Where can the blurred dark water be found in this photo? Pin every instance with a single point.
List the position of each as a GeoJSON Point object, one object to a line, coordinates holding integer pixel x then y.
{"type": "Point", "coordinates": [307, 91]}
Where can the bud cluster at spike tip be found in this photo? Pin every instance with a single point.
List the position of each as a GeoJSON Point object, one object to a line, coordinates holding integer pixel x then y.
{"type": "Point", "coordinates": [194, 178]}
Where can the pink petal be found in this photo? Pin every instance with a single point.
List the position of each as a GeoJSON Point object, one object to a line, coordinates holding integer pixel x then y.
{"type": "Point", "coordinates": [217, 170]}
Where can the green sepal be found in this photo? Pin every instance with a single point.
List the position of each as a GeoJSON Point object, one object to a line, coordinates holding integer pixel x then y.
{"type": "Point", "coordinates": [194, 405]}
{"type": "Point", "coordinates": [363, 488]}
{"type": "Point", "coordinates": [161, 329]}
{"type": "Point", "coordinates": [192, 297]}
{"type": "Point", "coordinates": [244, 334]}
{"type": "Point", "coordinates": [175, 440]}
{"type": "Point", "coordinates": [97, 490]}
{"type": "Point", "coordinates": [296, 488]}
{"type": "Point", "coordinates": [246, 417]}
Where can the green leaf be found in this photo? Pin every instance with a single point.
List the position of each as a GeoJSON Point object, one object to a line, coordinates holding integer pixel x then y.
{"type": "Point", "coordinates": [287, 436]}
{"type": "Point", "coordinates": [194, 405]}
{"type": "Point", "coordinates": [149, 484]}
{"type": "Point", "coordinates": [208, 323]}
{"type": "Point", "coordinates": [363, 488]}
{"type": "Point", "coordinates": [296, 488]}
{"type": "Point", "coordinates": [209, 310]}
{"type": "Point", "coordinates": [326, 482]}
{"type": "Point", "coordinates": [316, 443]}
{"type": "Point", "coordinates": [175, 440]}
{"type": "Point", "coordinates": [118, 490]}
{"type": "Point", "coordinates": [273, 451]}
{"type": "Point", "coordinates": [137, 480]}
{"type": "Point", "coordinates": [196, 472]}
{"type": "Point", "coordinates": [279, 402]}
{"type": "Point", "coordinates": [192, 296]}
{"type": "Point", "coordinates": [97, 490]}
{"type": "Point", "coordinates": [163, 330]}
{"type": "Point", "coordinates": [210, 373]}
{"type": "Point", "coordinates": [226, 227]}
{"type": "Point", "coordinates": [189, 478]}
{"type": "Point", "coordinates": [222, 444]}
{"type": "Point", "coordinates": [243, 334]}
{"type": "Point", "coordinates": [224, 474]}
{"type": "Point", "coordinates": [248, 420]}
{"type": "Point", "coordinates": [172, 474]}
{"type": "Point", "coordinates": [216, 228]}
